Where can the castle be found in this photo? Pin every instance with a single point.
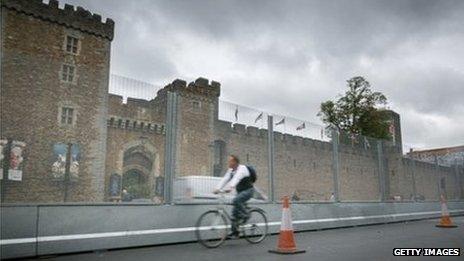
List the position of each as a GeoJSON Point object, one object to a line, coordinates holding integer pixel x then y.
{"type": "Point", "coordinates": [79, 143]}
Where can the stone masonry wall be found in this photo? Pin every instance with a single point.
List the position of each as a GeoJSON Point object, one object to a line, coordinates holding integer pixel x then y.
{"type": "Point", "coordinates": [33, 94]}
{"type": "Point", "coordinates": [359, 174]}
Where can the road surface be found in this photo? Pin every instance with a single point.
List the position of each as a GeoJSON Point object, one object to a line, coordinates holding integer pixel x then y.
{"type": "Point", "coordinates": [354, 243]}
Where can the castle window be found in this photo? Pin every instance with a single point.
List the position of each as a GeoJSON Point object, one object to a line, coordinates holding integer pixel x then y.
{"type": "Point", "coordinates": [71, 44]}
{"type": "Point", "coordinates": [219, 157]}
{"type": "Point", "coordinates": [68, 73]}
{"type": "Point", "coordinates": [67, 116]}
{"type": "Point", "coordinates": [196, 104]}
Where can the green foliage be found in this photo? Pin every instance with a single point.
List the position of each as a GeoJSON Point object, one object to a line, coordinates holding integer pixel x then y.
{"type": "Point", "coordinates": [357, 110]}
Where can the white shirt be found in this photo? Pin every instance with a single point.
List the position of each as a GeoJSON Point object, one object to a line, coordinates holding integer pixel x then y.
{"type": "Point", "coordinates": [228, 183]}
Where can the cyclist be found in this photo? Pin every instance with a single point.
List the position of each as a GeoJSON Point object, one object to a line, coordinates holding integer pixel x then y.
{"type": "Point", "coordinates": [237, 177]}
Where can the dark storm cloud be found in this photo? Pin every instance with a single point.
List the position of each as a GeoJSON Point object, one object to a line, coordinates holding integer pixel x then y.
{"type": "Point", "coordinates": [288, 56]}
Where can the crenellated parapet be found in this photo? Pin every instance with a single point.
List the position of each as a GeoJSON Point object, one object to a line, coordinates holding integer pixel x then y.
{"type": "Point", "coordinates": [201, 87]}
{"type": "Point", "coordinates": [228, 129]}
{"type": "Point", "coordinates": [136, 125]}
{"type": "Point", "coordinates": [135, 114]}
{"type": "Point", "coordinates": [76, 18]}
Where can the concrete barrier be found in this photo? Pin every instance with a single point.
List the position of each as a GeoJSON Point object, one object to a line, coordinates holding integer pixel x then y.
{"type": "Point", "coordinates": [52, 229]}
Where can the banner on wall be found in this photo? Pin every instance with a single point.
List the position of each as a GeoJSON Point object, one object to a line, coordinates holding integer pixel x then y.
{"type": "Point", "coordinates": [15, 170]}
{"type": "Point", "coordinates": [115, 185]}
{"type": "Point", "coordinates": [159, 186]}
{"type": "Point", "coordinates": [3, 145]}
{"type": "Point", "coordinates": [60, 151]}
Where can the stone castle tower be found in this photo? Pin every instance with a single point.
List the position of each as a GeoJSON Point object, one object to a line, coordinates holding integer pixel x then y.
{"type": "Point", "coordinates": [55, 71]}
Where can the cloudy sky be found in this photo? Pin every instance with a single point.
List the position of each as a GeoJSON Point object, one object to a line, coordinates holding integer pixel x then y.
{"type": "Point", "coordinates": [288, 56]}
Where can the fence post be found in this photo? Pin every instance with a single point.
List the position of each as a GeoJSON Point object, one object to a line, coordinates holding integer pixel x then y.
{"type": "Point", "coordinates": [457, 179]}
{"type": "Point", "coordinates": [67, 173]}
{"type": "Point", "coordinates": [382, 187]}
{"type": "Point", "coordinates": [414, 188]}
{"type": "Point", "coordinates": [460, 176]}
{"type": "Point", "coordinates": [5, 168]}
{"type": "Point", "coordinates": [335, 163]}
{"type": "Point", "coordinates": [437, 174]}
{"type": "Point", "coordinates": [170, 146]}
{"type": "Point", "coordinates": [270, 154]}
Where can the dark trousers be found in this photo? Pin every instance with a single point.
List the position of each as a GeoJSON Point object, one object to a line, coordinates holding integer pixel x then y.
{"type": "Point", "coordinates": [239, 208]}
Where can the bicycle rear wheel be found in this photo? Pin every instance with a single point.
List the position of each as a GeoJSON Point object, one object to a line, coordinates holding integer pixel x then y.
{"type": "Point", "coordinates": [256, 228]}
{"type": "Point", "coordinates": [211, 228]}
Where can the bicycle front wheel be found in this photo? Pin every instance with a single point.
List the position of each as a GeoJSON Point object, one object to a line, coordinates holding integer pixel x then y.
{"type": "Point", "coordinates": [256, 228]}
{"type": "Point", "coordinates": [211, 228]}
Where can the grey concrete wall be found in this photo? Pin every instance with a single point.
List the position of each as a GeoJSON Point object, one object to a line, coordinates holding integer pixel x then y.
{"type": "Point", "coordinates": [18, 222]}
{"type": "Point", "coordinates": [52, 229]}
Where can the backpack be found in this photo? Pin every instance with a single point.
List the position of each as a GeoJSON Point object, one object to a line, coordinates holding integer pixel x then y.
{"type": "Point", "coordinates": [253, 176]}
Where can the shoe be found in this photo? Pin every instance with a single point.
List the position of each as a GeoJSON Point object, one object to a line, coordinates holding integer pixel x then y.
{"type": "Point", "coordinates": [233, 235]}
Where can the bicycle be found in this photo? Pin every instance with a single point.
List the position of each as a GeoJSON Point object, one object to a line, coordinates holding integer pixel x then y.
{"type": "Point", "coordinates": [212, 226]}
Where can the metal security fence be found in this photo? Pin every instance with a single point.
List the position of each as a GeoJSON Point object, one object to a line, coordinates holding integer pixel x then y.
{"type": "Point", "coordinates": [303, 160]}
{"type": "Point", "coordinates": [142, 144]}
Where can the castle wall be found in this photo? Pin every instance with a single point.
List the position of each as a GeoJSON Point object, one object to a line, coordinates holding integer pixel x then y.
{"type": "Point", "coordinates": [303, 167]}
{"type": "Point", "coordinates": [403, 171]}
{"type": "Point", "coordinates": [120, 140]}
{"type": "Point", "coordinates": [426, 180]}
{"type": "Point", "coordinates": [359, 174]}
{"type": "Point", "coordinates": [136, 123]}
{"type": "Point", "coordinates": [249, 144]}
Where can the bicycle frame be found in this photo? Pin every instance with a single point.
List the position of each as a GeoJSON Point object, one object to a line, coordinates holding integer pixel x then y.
{"type": "Point", "coordinates": [222, 220]}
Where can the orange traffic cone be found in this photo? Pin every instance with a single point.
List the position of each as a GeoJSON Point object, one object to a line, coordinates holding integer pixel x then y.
{"type": "Point", "coordinates": [445, 220]}
{"type": "Point", "coordinates": [286, 243]}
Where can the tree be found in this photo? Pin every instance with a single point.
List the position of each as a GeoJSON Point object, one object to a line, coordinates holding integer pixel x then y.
{"type": "Point", "coordinates": [358, 111]}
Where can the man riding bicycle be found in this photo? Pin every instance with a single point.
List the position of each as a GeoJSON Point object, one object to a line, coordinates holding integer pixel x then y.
{"type": "Point", "coordinates": [237, 177]}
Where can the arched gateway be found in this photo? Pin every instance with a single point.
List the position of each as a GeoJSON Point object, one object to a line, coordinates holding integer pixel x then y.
{"type": "Point", "coordinates": [140, 164]}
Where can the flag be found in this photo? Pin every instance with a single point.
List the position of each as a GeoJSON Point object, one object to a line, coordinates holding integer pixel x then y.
{"type": "Point", "coordinates": [236, 113]}
{"type": "Point", "coordinates": [302, 126]}
{"type": "Point", "coordinates": [281, 121]}
{"type": "Point", "coordinates": [260, 116]}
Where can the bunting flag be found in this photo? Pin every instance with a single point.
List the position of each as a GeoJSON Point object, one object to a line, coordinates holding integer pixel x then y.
{"type": "Point", "coordinates": [281, 121]}
{"type": "Point", "coordinates": [236, 113]}
{"type": "Point", "coordinates": [260, 116]}
{"type": "Point", "coordinates": [302, 126]}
